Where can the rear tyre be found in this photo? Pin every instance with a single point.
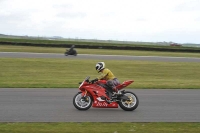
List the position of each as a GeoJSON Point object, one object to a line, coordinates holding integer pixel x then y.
{"type": "Point", "coordinates": [82, 103]}
{"type": "Point", "coordinates": [75, 53]}
{"type": "Point", "coordinates": [130, 104]}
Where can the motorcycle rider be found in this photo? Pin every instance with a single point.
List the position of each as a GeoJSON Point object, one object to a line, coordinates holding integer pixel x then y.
{"type": "Point", "coordinates": [71, 51]}
{"type": "Point", "coordinates": [107, 75]}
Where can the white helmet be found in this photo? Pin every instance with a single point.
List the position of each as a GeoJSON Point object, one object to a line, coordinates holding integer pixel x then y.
{"type": "Point", "coordinates": [100, 66]}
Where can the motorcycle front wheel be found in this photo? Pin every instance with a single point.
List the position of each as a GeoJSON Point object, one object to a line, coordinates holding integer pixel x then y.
{"type": "Point", "coordinates": [66, 53]}
{"type": "Point", "coordinates": [82, 103]}
{"type": "Point", "coordinates": [131, 103]}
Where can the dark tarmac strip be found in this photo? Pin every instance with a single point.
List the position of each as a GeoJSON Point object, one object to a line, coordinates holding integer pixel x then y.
{"type": "Point", "coordinates": [55, 105]}
{"type": "Point", "coordinates": [99, 57]}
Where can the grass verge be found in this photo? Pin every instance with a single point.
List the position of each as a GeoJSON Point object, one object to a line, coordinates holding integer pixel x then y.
{"type": "Point", "coordinates": [88, 127]}
{"type": "Point", "coordinates": [64, 73]}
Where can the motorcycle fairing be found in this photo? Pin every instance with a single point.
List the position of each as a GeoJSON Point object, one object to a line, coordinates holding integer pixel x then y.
{"type": "Point", "coordinates": [124, 84]}
{"type": "Point", "coordinates": [97, 92]}
{"type": "Point", "coordinates": [94, 90]}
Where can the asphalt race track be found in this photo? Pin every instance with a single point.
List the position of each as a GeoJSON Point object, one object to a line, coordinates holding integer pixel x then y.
{"type": "Point", "coordinates": [55, 105]}
{"type": "Point", "coordinates": [102, 57]}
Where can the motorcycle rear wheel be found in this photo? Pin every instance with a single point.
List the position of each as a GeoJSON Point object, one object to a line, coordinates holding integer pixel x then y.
{"type": "Point", "coordinates": [82, 103]}
{"type": "Point", "coordinates": [131, 104]}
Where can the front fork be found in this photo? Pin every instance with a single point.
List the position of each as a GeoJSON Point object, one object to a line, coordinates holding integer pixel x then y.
{"type": "Point", "coordinates": [84, 94]}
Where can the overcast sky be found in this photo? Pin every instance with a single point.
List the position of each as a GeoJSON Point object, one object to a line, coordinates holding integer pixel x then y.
{"type": "Point", "coordinates": [125, 20]}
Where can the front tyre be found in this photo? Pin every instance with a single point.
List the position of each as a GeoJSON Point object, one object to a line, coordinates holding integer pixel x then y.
{"type": "Point", "coordinates": [66, 53]}
{"type": "Point", "coordinates": [131, 103]}
{"type": "Point", "coordinates": [82, 103]}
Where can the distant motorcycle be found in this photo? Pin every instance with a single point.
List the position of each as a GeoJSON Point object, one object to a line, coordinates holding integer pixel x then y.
{"type": "Point", "coordinates": [94, 94]}
{"type": "Point", "coordinates": [71, 51]}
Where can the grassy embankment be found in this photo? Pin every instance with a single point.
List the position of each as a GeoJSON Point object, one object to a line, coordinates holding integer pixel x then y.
{"type": "Point", "coordinates": [89, 127]}
{"type": "Point", "coordinates": [64, 73]}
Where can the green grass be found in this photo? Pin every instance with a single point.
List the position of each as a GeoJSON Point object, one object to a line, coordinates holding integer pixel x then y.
{"type": "Point", "coordinates": [64, 73]}
{"type": "Point", "coordinates": [89, 127]}
{"type": "Point", "coordinates": [9, 48]}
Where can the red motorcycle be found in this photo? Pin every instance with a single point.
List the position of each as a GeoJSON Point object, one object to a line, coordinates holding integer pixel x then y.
{"type": "Point", "coordinates": [96, 95]}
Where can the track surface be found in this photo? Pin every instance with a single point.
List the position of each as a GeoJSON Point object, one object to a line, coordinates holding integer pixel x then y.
{"type": "Point", "coordinates": [101, 57]}
{"type": "Point", "coordinates": [55, 105]}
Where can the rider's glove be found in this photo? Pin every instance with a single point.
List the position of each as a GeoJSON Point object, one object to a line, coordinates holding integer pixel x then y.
{"type": "Point", "coordinates": [94, 80]}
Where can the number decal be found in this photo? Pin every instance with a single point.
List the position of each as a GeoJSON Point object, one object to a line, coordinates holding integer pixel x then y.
{"type": "Point", "coordinates": [102, 104]}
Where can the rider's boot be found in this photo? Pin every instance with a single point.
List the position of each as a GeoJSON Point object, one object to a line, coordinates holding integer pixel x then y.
{"type": "Point", "coordinates": [115, 91]}
{"type": "Point", "coordinates": [108, 100]}
{"type": "Point", "coordinates": [109, 97]}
